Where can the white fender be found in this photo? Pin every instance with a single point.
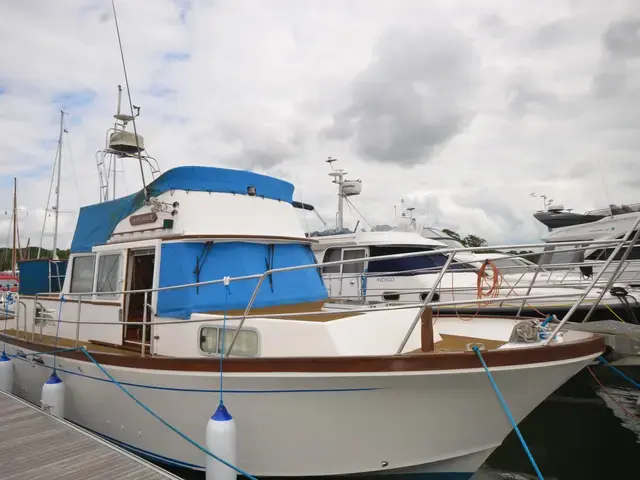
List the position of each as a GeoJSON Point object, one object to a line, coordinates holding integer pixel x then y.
{"type": "Point", "coordinates": [221, 441]}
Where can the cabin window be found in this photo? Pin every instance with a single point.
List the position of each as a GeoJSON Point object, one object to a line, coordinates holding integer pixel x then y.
{"type": "Point", "coordinates": [410, 265]}
{"type": "Point", "coordinates": [108, 274]}
{"type": "Point", "coordinates": [352, 255]}
{"type": "Point", "coordinates": [562, 257]}
{"type": "Point", "coordinates": [82, 274]}
{"type": "Point", "coordinates": [246, 344]}
{"type": "Point", "coordinates": [605, 253]}
{"type": "Point", "coordinates": [332, 255]}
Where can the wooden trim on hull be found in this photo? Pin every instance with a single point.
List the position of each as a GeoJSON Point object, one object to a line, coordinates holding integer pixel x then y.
{"type": "Point", "coordinates": [413, 362]}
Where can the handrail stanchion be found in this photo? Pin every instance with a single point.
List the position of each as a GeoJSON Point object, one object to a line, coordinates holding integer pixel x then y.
{"type": "Point", "coordinates": [17, 315]}
{"type": "Point", "coordinates": [608, 284]}
{"type": "Point", "coordinates": [144, 325]}
{"type": "Point", "coordinates": [515, 285]}
{"type": "Point", "coordinates": [33, 319]}
{"type": "Point", "coordinates": [78, 321]}
{"type": "Point", "coordinates": [25, 318]}
{"type": "Point", "coordinates": [246, 311]}
{"type": "Point", "coordinates": [626, 264]}
{"type": "Point", "coordinates": [595, 280]}
{"type": "Point", "coordinates": [533, 280]}
{"type": "Point", "coordinates": [427, 300]}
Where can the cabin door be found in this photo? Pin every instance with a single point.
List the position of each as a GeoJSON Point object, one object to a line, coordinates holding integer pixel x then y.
{"type": "Point", "coordinates": [140, 266]}
{"type": "Point", "coordinates": [353, 280]}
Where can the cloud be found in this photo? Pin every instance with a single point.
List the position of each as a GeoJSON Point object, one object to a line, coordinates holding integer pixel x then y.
{"type": "Point", "coordinates": [460, 111]}
{"type": "Point", "coordinates": [412, 98]}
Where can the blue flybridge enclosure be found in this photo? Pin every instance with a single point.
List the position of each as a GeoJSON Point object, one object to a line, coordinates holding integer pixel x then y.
{"type": "Point", "coordinates": [185, 263]}
{"type": "Point", "coordinates": [97, 222]}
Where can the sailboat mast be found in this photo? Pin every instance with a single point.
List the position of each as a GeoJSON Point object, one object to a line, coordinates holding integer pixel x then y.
{"type": "Point", "coordinates": [15, 227]}
{"type": "Point", "coordinates": [57, 207]}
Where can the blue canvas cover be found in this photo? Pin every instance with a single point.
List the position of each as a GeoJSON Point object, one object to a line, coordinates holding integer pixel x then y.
{"type": "Point", "coordinates": [97, 222]}
{"type": "Point", "coordinates": [34, 276]}
{"type": "Point", "coordinates": [234, 259]}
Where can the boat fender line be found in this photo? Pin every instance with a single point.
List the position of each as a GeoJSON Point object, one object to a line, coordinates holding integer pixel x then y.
{"type": "Point", "coordinates": [6, 373]}
{"type": "Point", "coordinates": [221, 431]}
{"type": "Point", "coordinates": [62, 300]}
{"type": "Point", "coordinates": [505, 407]}
{"type": "Point", "coordinates": [6, 364]}
{"type": "Point", "coordinates": [9, 299]}
{"type": "Point", "coordinates": [619, 372]}
{"type": "Point", "coordinates": [162, 420]}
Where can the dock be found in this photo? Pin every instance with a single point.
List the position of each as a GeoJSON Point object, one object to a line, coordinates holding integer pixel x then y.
{"type": "Point", "coordinates": [36, 445]}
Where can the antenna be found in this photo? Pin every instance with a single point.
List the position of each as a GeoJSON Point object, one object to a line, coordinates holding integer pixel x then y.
{"type": "Point", "coordinates": [545, 202]}
{"type": "Point", "coordinates": [346, 188]}
{"type": "Point", "coordinates": [131, 106]}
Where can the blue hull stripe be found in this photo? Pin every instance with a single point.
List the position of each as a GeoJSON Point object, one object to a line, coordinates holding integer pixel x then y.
{"type": "Point", "coordinates": [211, 390]}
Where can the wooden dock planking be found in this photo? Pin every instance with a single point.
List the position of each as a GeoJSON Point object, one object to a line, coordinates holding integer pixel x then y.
{"type": "Point", "coordinates": [36, 446]}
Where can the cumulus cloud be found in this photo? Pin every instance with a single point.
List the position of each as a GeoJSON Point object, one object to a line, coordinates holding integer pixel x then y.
{"type": "Point", "coordinates": [412, 98]}
{"type": "Point", "coordinates": [461, 111]}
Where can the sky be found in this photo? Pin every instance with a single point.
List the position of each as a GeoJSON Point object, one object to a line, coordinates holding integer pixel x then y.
{"type": "Point", "coordinates": [462, 109]}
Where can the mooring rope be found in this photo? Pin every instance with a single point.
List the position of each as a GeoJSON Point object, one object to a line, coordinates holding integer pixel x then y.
{"type": "Point", "coordinates": [505, 407]}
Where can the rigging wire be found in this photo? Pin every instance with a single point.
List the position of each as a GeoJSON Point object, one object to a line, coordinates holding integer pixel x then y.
{"type": "Point", "coordinates": [363, 217]}
{"type": "Point", "coordinates": [46, 210]}
{"type": "Point", "coordinates": [133, 119]}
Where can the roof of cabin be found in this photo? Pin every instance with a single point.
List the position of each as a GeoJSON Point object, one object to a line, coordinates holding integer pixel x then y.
{"type": "Point", "coordinates": [603, 229]}
{"type": "Point", "coordinates": [97, 222]}
{"type": "Point", "coordinates": [389, 238]}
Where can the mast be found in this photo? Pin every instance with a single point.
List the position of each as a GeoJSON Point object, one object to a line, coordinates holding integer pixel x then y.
{"type": "Point", "coordinates": [338, 179]}
{"type": "Point", "coordinates": [15, 226]}
{"type": "Point", "coordinates": [57, 207]}
{"type": "Point", "coordinates": [346, 188]}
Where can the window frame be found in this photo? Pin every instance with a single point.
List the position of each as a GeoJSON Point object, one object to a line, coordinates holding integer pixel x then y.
{"type": "Point", "coordinates": [325, 259]}
{"type": "Point", "coordinates": [364, 262]}
{"type": "Point", "coordinates": [218, 327]}
{"type": "Point", "coordinates": [99, 295]}
{"type": "Point", "coordinates": [93, 278]}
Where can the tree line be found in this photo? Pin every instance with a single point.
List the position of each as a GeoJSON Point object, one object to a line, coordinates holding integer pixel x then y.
{"type": "Point", "coordinates": [471, 241]}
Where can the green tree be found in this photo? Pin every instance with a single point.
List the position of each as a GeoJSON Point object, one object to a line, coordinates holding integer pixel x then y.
{"type": "Point", "coordinates": [453, 234]}
{"type": "Point", "coordinates": [468, 241]}
{"type": "Point", "coordinates": [474, 241]}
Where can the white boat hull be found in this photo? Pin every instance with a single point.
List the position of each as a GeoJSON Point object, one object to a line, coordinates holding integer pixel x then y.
{"type": "Point", "coordinates": [303, 424]}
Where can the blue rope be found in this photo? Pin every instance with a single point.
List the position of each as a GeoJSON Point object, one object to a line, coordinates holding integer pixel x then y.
{"type": "Point", "coordinates": [6, 322]}
{"type": "Point", "coordinates": [506, 410]}
{"type": "Point", "coordinates": [627, 378]}
{"type": "Point", "coordinates": [224, 331]}
{"type": "Point", "coordinates": [62, 300]}
{"type": "Point", "coordinates": [547, 320]}
{"type": "Point", "coordinates": [163, 421]}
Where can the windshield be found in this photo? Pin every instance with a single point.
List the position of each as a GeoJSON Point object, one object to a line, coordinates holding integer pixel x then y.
{"type": "Point", "coordinates": [451, 242]}
{"type": "Point", "coordinates": [439, 235]}
{"type": "Point", "coordinates": [562, 256]}
{"type": "Point", "coordinates": [510, 265]}
{"type": "Point", "coordinates": [409, 265]}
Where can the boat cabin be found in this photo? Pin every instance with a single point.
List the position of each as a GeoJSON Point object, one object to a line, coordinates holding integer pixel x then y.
{"type": "Point", "coordinates": [608, 228]}
{"type": "Point", "coordinates": [198, 224]}
{"type": "Point", "coordinates": [406, 279]}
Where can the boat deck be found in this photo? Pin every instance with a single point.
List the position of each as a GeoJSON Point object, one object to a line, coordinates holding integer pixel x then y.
{"type": "Point", "coordinates": [36, 445]}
